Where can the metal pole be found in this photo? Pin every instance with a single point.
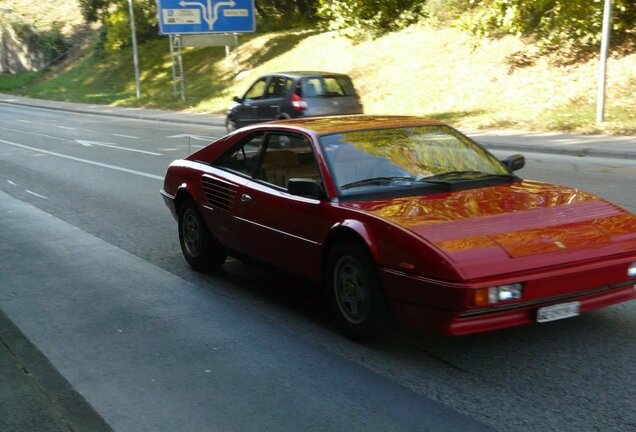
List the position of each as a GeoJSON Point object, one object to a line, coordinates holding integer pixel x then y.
{"type": "Point", "coordinates": [602, 79]}
{"type": "Point", "coordinates": [134, 44]}
{"type": "Point", "coordinates": [172, 59]}
{"type": "Point", "coordinates": [181, 69]}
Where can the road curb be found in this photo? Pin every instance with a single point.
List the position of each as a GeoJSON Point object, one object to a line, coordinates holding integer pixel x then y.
{"type": "Point", "coordinates": [220, 122]}
{"type": "Point", "coordinates": [582, 152]}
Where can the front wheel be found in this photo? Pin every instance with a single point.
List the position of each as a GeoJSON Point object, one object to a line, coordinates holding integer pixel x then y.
{"type": "Point", "coordinates": [199, 248]}
{"type": "Point", "coordinates": [355, 292]}
{"type": "Point", "coordinates": [230, 125]}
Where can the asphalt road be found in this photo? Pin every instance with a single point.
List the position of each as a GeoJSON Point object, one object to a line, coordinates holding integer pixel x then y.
{"type": "Point", "coordinates": [92, 275]}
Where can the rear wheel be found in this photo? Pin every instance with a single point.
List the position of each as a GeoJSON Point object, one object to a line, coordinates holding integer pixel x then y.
{"type": "Point", "coordinates": [355, 292]}
{"type": "Point", "coordinates": [199, 248]}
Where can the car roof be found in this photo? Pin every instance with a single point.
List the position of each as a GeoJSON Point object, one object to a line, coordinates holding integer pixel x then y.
{"type": "Point", "coordinates": [347, 123]}
{"type": "Point", "coordinates": [300, 74]}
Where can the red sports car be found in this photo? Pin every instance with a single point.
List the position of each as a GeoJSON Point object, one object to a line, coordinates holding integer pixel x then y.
{"type": "Point", "coordinates": [403, 216]}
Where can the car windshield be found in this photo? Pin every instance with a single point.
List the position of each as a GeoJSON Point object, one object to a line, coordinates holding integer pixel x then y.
{"type": "Point", "coordinates": [327, 86]}
{"type": "Point", "coordinates": [408, 157]}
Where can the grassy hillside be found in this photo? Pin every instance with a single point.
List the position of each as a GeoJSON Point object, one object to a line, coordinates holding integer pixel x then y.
{"type": "Point", "coordinates": [420, 71]}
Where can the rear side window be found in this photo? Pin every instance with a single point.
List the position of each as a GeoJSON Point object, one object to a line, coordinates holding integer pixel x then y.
{"type": "Point", "coordinates": [278, 87]}
{"type": "Point", "coordinates": [242, 158]}
{"type": "Point", "coordinates": [326, 86]}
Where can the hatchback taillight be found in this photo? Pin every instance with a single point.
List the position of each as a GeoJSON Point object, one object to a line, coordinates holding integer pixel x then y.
{"type": "Point", "coordinates": [298, 103]}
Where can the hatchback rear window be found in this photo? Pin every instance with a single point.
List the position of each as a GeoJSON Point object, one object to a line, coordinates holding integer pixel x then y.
{"type": "Point", "coordinates": [326, 86]}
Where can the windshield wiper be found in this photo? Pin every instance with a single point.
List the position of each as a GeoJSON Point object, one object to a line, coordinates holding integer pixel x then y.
{"type": "Point", "coordinates": [415, 181]}
{"type": "Point", "coordinates": [375, 181]}
{"type": "Point", "coordinates": [468, 175]}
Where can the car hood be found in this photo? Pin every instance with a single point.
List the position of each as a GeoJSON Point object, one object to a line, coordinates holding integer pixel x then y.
{"type": "Point", "coordinates": [513, 227]}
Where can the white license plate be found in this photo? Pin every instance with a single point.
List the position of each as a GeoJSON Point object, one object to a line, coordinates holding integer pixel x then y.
{"type": "Point", "coordinates": [558, 311]}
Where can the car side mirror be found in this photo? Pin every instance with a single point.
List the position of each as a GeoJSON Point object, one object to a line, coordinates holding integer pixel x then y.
{"type": "Point", "coordinates": [514, 162]}
{"type": "Point", "coordinates": [237, 99]}
{"type": "Point", "coordinates": [306, 188]}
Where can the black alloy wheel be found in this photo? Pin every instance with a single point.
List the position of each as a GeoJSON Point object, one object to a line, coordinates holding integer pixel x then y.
{"type": "Point", "coordinates": [199, 248]}
{"type": "Point", "coordinates": [355, 292]}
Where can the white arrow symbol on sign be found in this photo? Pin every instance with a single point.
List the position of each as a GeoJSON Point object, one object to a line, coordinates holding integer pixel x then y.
{"type": "Point", "coordinates": [210, 14]}
{"type": "Point", "coordinates": [87, 143]}
{"type": "Point", "coordinates": [215, 15]}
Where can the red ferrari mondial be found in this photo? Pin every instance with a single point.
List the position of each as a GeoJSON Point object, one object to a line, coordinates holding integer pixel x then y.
{"type": "Point", "coordinates": [404, 216]}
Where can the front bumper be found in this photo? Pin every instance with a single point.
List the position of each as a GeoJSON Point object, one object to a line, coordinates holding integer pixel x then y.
{"type": "Point", "coordinates": [453, 324]}
{"type": "Point", "coordinates": [445, 307]}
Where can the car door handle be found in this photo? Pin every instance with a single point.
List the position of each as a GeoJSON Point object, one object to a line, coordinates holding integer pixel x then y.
{"type": "Point", "coordinates": [246, 198]}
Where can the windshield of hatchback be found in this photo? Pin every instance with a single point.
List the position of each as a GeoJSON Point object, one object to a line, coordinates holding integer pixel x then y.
{"type": "Point", "coordinates": [369, 160]}
{"type": "Point", "coordinates": [326, 86]}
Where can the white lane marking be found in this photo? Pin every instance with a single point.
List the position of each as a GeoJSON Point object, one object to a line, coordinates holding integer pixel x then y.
{"type": "Point", "coordinates": [87, 143]}
{"type": "Point", "coordinates": [12, 183]}
{"type": "Point", "coordinates": [86, 161]}
{"type": "Point", "coordinates": [194, 137]}
{"type": "Point", "coordinates": [126, 136]}
{"type": "Point", "coordinates": [24, 121]}
{"type": "Point", "coordinates": [35, 194]}
{"type": "Point", "coordinates": [36, 133]}
{"type": "Point", "coordinates": [67, 127]}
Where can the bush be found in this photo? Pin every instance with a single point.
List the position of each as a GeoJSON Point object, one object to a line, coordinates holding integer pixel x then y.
{"type": "Point", "coordinates": [572, 27]}
{"type": "Point", "coordinates": [359, 18]}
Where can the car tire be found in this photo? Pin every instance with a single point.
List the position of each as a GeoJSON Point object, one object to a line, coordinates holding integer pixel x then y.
{"type": "Point", "coordinates": [230, 125]}
{"type": "Point", "coordinates": [199, 248]}
{"type": "Point", "coordinates": [355, 292]}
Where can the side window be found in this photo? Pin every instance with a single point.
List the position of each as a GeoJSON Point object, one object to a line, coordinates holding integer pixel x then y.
{"type": "Point", "coordinates": [257, 91]}
{"type": "Point", "coordinates": [242, 158]}
{"type": "Point", "coordinates": [287, 156]}
{"type": "Point", "coordinates": [311, 87]}
{"type": "Point", "coordinates": [278, 87]}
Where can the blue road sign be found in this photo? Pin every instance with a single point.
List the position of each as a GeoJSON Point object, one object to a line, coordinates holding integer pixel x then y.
{"type": "Point", "coordinates": [205, 16]}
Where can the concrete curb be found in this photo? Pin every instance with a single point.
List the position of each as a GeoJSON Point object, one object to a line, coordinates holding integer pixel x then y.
{"type": "Point", "coordinates": [581, 152]}
{"type": "Point", "coordinates": [213, 122]}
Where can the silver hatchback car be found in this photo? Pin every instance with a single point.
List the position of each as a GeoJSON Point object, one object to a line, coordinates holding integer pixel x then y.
{"type": "Point", "coordinates": [294, 94]}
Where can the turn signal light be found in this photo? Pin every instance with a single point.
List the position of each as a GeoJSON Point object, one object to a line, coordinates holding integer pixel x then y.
{"type": "Point", "coordinates": [631, 270]}
{"type": "Point", "coordinates": [481, 297]}
{"type": "Point", "coordinates": [497, 294]}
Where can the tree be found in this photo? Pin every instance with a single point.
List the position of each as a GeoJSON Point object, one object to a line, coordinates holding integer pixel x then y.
{"type": "Point", "coordinates": [566, 25]}
{"type": "Point", "coordinates": [114, 17]}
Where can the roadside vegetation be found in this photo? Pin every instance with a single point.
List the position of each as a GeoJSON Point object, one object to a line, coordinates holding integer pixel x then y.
{"type": "Point", "coordinates": [478, 64]}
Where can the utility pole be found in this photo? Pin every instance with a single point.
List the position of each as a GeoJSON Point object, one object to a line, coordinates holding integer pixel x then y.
{"type": "Point", "coordinates": [602, 79]}
{"type": "Point", "coordinates": [133, 34]}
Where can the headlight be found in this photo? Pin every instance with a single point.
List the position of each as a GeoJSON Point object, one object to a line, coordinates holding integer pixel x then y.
{"type": "Point", "coordinates": [631, 270]}
{"type": "Point", "coordinates": [497, 294]}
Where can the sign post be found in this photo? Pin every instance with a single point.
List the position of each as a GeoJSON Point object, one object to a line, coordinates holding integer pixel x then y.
{"type": "Point", "coordinates": [133, 34]}
{"type": "Point", "coordinates": [602, 79]}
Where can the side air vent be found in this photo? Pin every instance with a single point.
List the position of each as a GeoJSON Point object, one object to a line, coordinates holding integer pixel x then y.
{"type": "Point", "coordinates": [220, 194]}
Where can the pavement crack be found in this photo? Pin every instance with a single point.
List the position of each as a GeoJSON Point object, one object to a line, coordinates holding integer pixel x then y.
{"type": "Point", "coordinates": [440, 359]}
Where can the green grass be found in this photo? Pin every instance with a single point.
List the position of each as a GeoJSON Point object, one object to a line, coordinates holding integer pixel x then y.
{"type": "Point", "coordinates": [13, 83]}
{"type": "Point", "coordinates": [419, 71]}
